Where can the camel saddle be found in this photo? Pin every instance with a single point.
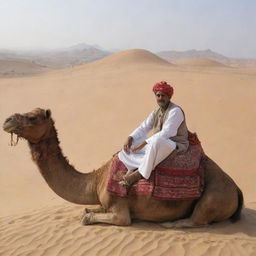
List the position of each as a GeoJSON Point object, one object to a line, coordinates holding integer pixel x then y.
{"type": "Point", "coordinates": [178, 177]}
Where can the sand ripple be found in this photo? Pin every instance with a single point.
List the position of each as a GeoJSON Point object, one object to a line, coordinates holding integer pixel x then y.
{"type": "Point", "coordinates": [56, 231]}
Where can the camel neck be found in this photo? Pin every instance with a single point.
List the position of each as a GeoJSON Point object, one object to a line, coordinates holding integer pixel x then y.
{"type": "Point", "coordinates": [63, 178]}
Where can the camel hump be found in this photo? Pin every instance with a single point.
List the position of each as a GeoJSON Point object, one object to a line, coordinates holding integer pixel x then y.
{"type": "Point", "coordinates": [237, 214]}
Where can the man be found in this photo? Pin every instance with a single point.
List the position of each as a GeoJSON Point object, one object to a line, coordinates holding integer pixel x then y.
{"type": "Point", "coordinates": [169, 133]}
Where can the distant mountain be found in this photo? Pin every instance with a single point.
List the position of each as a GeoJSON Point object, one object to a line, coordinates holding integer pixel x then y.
{"type": "Point", "coordinates": [8, 54]}
{"type": "Point", "coordinates": [70, 57]}
{"type": "Point", "coordinates": [83, 46]}
{"type": "Point", "coordinates": [176, 56]}
{"type": "Point", "coordinates": [17, 68]}
{"type": "Point", "coordinates": [200, 63]}
{"type": "Point", "coordinates": [59, 58]}
{"type": "Point", "coordinates": [83, 53]}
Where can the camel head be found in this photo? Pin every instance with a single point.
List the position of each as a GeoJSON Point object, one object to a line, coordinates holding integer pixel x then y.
{"type": "Point", "coordinates": [32, 126]}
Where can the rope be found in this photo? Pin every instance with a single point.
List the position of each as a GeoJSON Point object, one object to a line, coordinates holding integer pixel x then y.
{"type": "Point", "coordinates": [14, 143]}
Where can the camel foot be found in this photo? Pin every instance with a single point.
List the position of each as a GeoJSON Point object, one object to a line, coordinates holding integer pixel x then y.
{"type": "Point", "coordinates": [108, 218]}
{"type": "Point", "coordinates": [83, 217]}
{"type": "Point", "coordinates": [185, 223]}
{"type": "Point", "coordinates": [87, 218]}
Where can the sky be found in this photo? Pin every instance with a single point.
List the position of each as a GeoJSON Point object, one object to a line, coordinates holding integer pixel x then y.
{"type": "Point", "coordinates": [225, 26]}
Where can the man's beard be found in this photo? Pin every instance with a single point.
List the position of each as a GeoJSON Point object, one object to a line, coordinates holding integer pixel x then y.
{"type": "Point", "coordinates": [163, 104]}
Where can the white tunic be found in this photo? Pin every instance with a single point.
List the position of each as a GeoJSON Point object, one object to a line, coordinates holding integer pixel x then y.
{"type": "Point", "coordinates": [158, 146]}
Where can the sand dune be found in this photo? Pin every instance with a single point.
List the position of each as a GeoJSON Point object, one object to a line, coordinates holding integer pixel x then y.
{"type": "Point", "coordinates": [133, 57]}
{"type": "Point", "coordinates": [95, 106]}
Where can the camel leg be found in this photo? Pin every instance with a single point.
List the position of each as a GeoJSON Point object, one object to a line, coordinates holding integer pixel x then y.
{"type": "Point", "coordinates": [184, 223]}
{"type": "Point", "coordinates": [202, 215]}
{"type": "Point", "coordinates": [118, 216]}
{"type": "Point", "coordinates": [109, 218]}
{"type": "Point", "coordinates": [98, 209]}
{"type": "Point", "coordinates": [205, 212]}
{"type": "Point", "coordinates": [210, 208]}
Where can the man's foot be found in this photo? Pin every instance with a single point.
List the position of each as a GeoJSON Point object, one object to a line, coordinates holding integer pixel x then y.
{"type": "Point", "coordinates": [130, 178]}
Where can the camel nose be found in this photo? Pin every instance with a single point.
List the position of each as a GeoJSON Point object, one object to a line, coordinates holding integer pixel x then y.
{"type": "Point", "coordinates": [9, 124]}
{"type": "Point", "coordinates": [8, 119]}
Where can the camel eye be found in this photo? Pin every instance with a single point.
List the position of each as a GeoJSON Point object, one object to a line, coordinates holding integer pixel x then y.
{"type": "Point", "coordinates": [32, 118]}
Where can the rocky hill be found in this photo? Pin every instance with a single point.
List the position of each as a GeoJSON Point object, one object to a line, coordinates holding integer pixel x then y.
{"type": "Point", "coordinates": [176, 56]}
{"type": "Point", "coordinates": [60, 58]}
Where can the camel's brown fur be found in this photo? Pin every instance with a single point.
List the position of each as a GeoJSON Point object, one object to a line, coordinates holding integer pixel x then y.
{"type": "Point", "coordinates": [221, 199]}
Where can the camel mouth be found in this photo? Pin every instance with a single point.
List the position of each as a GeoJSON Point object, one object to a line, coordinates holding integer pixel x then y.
{"type": "Point", "coordinates": [10, 127]}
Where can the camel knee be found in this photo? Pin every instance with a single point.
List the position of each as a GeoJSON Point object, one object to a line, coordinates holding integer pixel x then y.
{"type": "Point", "coordinates": [121, 220]}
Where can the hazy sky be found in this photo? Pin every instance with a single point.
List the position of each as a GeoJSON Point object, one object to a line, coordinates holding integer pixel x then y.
{"type": "Point", "coordinates": [225, 26]}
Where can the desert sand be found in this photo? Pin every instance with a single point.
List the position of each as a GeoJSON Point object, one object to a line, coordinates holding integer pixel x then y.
{"type": "Point", "coordinates": [95, 106]}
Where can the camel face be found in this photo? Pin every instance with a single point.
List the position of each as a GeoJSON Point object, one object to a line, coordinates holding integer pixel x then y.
{"type": "Point", "coordinates": [32, 125]}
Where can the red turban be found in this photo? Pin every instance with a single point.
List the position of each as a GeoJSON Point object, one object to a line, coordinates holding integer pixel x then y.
{"type": "Point", "coordinates": [163, 87]}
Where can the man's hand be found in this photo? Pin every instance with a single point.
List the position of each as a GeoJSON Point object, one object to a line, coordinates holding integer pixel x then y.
{"type": "Point", "coordinates": [127, 144]}
{"type": "Point", "coordinates": [139, 146]}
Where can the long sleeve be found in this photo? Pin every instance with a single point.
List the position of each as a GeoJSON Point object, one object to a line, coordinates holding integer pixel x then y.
{"type": "Point", "coordinates": [171, 124]}
{"type": "Point", "coordinates": [144, 128]}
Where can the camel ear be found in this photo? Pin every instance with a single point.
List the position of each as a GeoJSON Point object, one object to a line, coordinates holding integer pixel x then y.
{"type": "Point", "coordinates": [48, 113]}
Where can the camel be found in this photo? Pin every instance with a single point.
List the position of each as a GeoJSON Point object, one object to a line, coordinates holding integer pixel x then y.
{"type": "Point", "coordinates": [221, 200]}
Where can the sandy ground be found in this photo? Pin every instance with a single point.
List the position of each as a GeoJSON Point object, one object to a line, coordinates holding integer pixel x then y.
{"type": "Point", "coordinates": [95, 107]}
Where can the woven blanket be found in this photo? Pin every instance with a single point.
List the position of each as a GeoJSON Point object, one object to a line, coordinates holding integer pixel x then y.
{"type": "Point", "coordinates": [176, 178]}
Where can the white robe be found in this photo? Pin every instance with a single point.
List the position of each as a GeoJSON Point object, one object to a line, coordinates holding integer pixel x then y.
{"type": "Point", "coordinates": [158, 146]}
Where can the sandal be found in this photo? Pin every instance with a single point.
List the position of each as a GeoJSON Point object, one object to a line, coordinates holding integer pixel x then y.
{"type": "Point", "coordinates": [130, 178]}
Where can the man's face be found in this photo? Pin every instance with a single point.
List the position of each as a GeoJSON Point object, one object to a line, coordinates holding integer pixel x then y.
{"type": "Point", "coordinates": [162, 99]}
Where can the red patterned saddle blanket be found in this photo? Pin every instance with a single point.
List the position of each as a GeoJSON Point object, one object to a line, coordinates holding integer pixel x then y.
{"type": "Point", "coordinates": [175, 178]}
